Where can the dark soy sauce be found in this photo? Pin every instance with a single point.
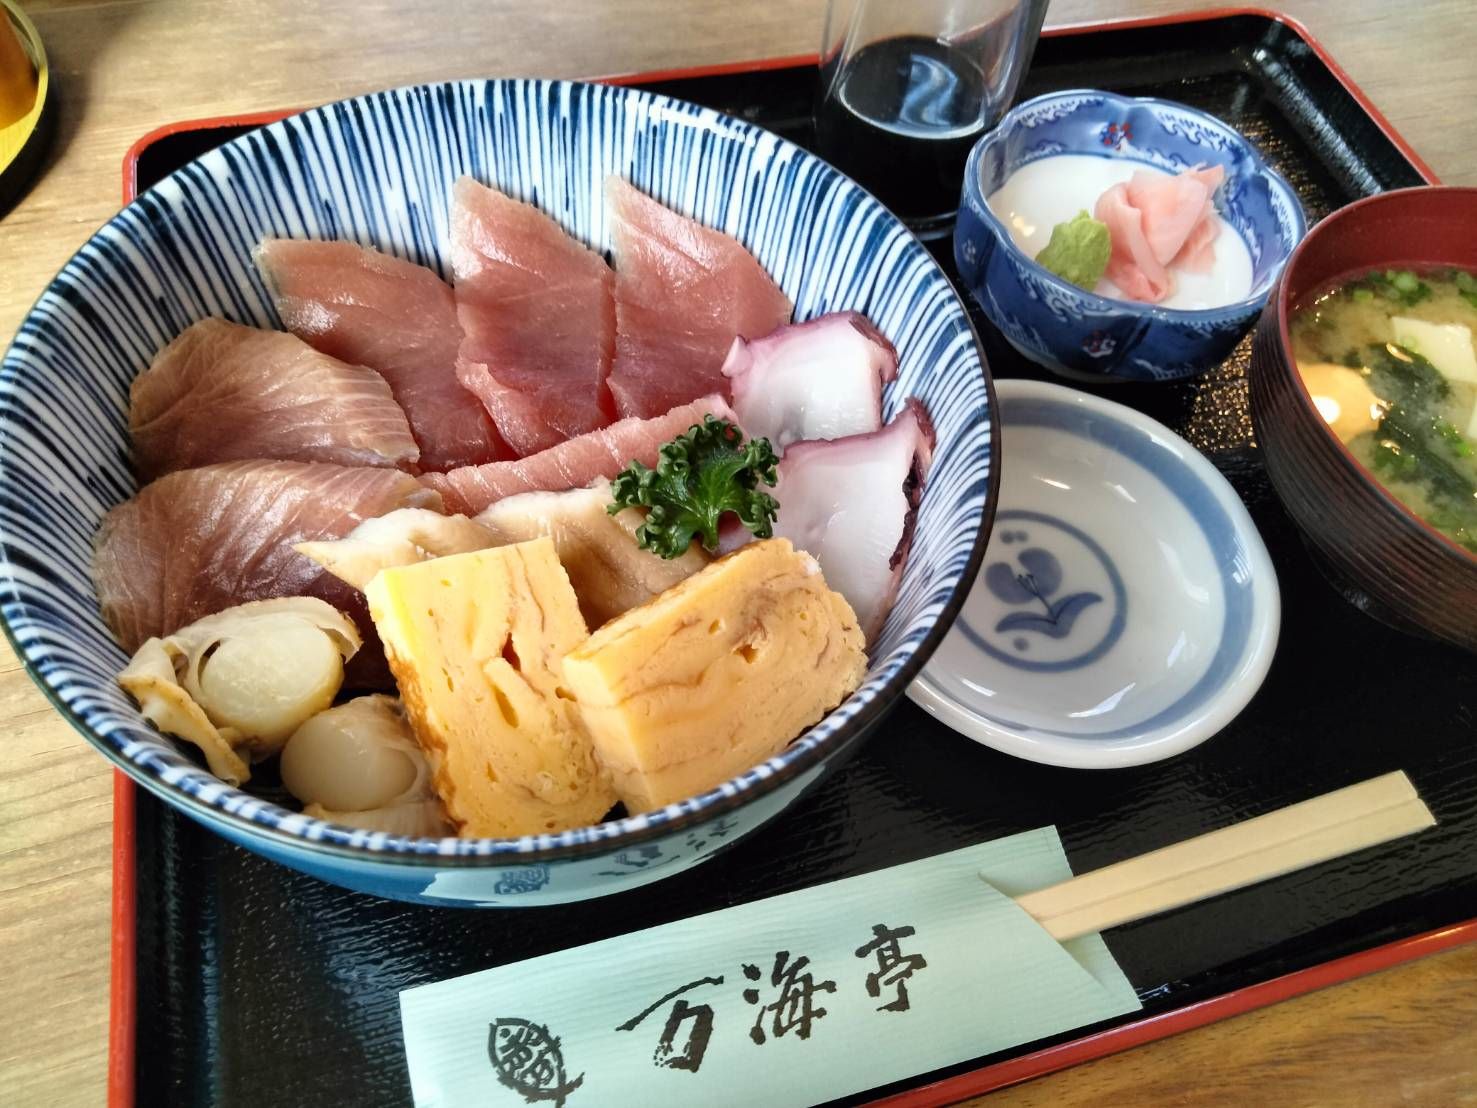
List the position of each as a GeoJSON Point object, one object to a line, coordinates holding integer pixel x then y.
{"type": "Point", "coordinates": [901, 117]}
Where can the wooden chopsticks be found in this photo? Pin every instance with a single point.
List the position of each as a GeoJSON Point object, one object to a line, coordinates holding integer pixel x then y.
{"type": "Point", "coordinates": [1279, 842]}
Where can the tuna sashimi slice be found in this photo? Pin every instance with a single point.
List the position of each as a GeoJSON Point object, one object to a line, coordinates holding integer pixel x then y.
{"type": "Point", "coordinates": [399, 319]}
{"type": "Point", "coordinates": [851, 503]}
{"type": "Point", "coordinates": [202, 540]}
{"type": "Point", "coordinates": [221, 392]}
{"type": "Point", "coordinates": [817, 380]}
{"type": "Point", "coordinates": [1132, 265]}
{"type": "Point", "coordinates": [575, 463]}
{"type": "Point", "coordinates": [538, 320]}
{"type": "Point", "coordinates": [683, 293]}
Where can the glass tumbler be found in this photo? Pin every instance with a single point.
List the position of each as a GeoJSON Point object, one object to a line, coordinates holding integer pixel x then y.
{"type": "Point", "coordinates": [907, 87]}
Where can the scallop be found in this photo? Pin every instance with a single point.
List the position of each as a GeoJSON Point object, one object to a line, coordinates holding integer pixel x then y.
{"type": "Point", "coordinates": [267, 682]}
{"type": "Point", "coordinates": [357, 756]}
{"type": "Point", "coordinates": [239, 682]}
{"type": "Point", "coordinates": [151, 680]}
{"type": "Point", "coordinates": [359, 765]}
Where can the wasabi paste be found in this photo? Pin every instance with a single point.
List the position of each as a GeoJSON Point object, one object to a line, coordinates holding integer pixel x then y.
{"type": "Point", "coordinates": [1078, 251]}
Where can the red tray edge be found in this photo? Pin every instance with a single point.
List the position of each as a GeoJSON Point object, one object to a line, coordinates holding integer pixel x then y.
{"type": "Point", "coordinates": [1089, 1048]}
{"type": "Point", "coordinates": [123, 1015]}
{"type": "Point", "coordinates": [122, 1009]}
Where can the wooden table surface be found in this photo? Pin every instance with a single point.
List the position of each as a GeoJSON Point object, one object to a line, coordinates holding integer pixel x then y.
{"type": "Point", "coordinates": [122, 67]}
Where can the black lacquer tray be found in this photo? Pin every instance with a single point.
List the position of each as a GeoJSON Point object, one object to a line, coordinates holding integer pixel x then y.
{"type": "Point", "coordinates": [242, 982]}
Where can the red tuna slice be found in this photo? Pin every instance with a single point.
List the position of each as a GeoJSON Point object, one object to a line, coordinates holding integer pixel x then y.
{"type": "Point", "coordinates": [575, 463]}
{"type": "Point", "coordinates": [539, 322]}
{"type": "Point", "coordinates": [1171, 207]}
{"type": "Point", "coordinates": [1132, 265]}
{"type": "Point", "coordinates": [221, 392]}
{"type": "Point", "coordinates": [683, 293]}
{"type": "Point", "coordinates": [397, 318]}
{"type": "Point", "coordinates": [851, 504]}
{"type": "Point", "coordinates": [203, 540]}
{"type": "Point", "coordinates": [817, 380]}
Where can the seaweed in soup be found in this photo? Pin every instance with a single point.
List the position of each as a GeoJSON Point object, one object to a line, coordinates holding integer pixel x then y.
{"type": "Point", "coordinates": [1421, 439]}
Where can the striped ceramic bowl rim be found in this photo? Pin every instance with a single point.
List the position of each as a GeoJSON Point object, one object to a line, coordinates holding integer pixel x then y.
{"type": "Point", "coordinates": [377, 170]}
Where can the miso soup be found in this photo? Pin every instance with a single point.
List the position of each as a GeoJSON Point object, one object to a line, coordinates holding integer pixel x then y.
{"type": "Point", "coordinates": [1390, 363]}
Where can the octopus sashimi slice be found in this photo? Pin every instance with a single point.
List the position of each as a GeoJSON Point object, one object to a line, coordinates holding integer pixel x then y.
{"type": "Point", "coordinates": [683, 293]}
{"type": "Point", "coordinates": [537, 318]}
{"type": "Point", "coordinates": [817, 380]}
{"type": "Point", "coordinates": [575, 463]}
{"type": "Point", "coordinates": [361, 306]}
{"type": "Point", "coordinates": [203, 540]}
{"type": "Point", "coordinates": [222, 392]}
{"type": "Point", "coordinates": [850, 503]}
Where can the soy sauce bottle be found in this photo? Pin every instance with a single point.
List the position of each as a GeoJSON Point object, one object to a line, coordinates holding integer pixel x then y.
{"type": "Point", "coordinates": [907, 89]}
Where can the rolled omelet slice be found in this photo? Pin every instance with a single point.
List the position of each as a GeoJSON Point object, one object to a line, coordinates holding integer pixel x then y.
{"type": "Point", "coordinates": [476, 642]}
{"type": "Point", "coordinates": [716, 674]}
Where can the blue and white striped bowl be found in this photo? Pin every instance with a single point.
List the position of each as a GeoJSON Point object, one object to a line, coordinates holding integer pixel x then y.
{"type": "Point", "coordinates": [379, 170]}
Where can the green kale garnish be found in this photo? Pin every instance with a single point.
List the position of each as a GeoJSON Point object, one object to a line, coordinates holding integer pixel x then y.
{"type": "Point", "coordinates": [700, 475]}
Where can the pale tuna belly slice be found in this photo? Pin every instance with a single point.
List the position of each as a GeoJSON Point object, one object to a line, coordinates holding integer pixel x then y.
{"type": "Point", "coordinates": [575, 463]}
{"type": "Point", "coordinates": [399, 319]}
{"type": "Point", "coordinates": [683, 293]}
{"type": "Point", "coordinates": [537, 318]}
{"type": "Point", "coordinates": [202, 540]}
{"type": "Point", "coordinates": [221, 392]}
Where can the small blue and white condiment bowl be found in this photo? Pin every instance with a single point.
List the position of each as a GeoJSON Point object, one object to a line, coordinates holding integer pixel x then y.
{"type": "Point", "coordinates": [1076, 332]}
{"type": "Point", "coordinates": [1127, 609]}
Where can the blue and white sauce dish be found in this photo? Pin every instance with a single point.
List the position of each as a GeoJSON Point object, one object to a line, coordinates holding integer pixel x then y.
{"type": "Point", "coordinates": [1081, 334]}
{"type": "Point", "coordinates": [1127, 609]}
{"type": "Point", "coordinates": [379, 170]}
